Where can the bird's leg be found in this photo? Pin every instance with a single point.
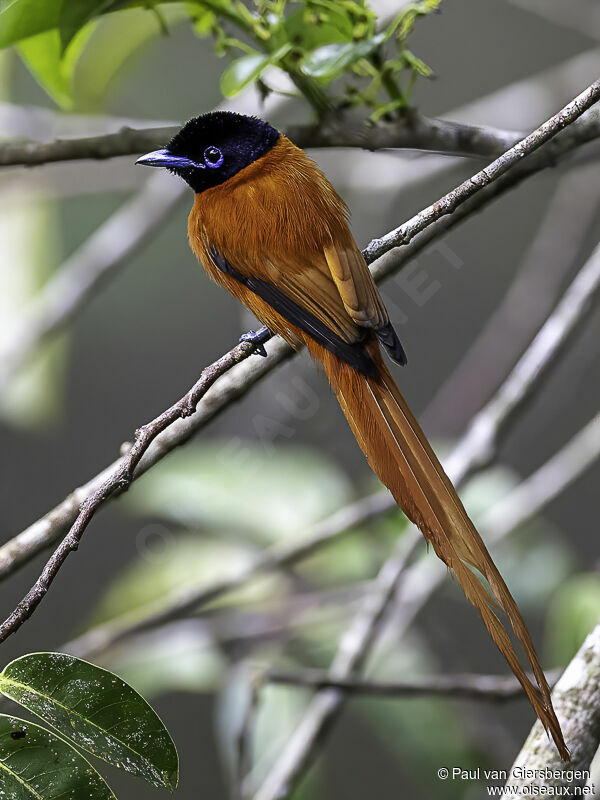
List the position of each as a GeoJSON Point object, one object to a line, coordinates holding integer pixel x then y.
{"type": "Point", "coordinates": [258, 339]}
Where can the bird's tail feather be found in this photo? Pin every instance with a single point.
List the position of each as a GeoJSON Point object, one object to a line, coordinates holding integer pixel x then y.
{"type": "Point", "coordinates": [399, 453]}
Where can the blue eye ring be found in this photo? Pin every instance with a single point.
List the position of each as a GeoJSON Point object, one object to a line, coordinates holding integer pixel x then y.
{"type": "Point", "coordinates": [213, 157]}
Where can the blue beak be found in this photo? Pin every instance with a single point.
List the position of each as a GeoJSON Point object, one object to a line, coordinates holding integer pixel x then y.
{"type": "Point", "coordinates": [162, 158]}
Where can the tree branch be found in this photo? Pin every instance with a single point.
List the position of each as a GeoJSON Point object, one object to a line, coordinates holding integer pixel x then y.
{"type": "Point", "coordinates": [576, 699]}
{"type": "Point", "coordinates": [123, 474]}
{"type": "Point", "coordinates": [414, 132]}
{"type": "Point", "coordinates": [491, 688]}
{"type": "Point", "coordinates": [450, 201]}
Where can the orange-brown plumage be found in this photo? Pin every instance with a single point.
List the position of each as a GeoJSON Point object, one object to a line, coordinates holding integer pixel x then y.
{"type": "Point", "coordinates": [277, 222]}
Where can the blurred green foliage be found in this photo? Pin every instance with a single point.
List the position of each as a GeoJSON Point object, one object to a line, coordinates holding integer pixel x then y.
{"type": "Point", "coordinates": [202, 523]}
{"type": "Point", "coordinates": [312, 42]}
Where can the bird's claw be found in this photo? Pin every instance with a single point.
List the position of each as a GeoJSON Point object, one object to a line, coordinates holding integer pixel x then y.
{"type": "Point", "coordinates": [258, 339]}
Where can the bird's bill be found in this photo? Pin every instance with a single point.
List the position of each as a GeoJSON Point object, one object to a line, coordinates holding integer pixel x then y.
{"type": "Point", "coordinates": [163, 158]}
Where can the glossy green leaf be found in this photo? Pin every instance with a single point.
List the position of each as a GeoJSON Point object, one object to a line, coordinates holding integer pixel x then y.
{"type": "Point", "coordinates": [243, 71]}
{"type": "Point", "coordinates": [331, 60]}
{"type": "Point", "coordinates": [74, 14]}
{"type": "Point", "coordinates": [96, 710]}
{"type": "Point", "coordinates": [247, 69]}
{"type": "Point", "coordinates": [300, 29]}
{"type": "Point", "coordinates": [217, 485]}
{"type": "Point", "coordinates": [51, 68]}
{"type": "Point", "coordinates": [20, 19]}
{"type": "Point", "coordinates": [123, 35]}
{"type": "Point", "coordinates": [37, 765]}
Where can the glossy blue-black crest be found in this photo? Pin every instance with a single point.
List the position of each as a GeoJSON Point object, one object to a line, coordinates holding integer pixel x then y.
{"type": "Point", "coordinates": [210, 149]}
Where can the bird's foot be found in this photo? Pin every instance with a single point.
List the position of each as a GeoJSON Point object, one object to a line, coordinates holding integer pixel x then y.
{"type": "Point", "coordinates": [258, 339]}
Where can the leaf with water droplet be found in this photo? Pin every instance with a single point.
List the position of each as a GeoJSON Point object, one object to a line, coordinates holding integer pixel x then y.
{"type": "Point", "coordinates": [36, 764]}
{"type": "Point", "coordinates": [97, 711]}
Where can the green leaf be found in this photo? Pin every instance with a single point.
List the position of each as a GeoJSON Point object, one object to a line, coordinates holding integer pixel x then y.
{"type": "Point", "coordinates": [36, 764]}
{"type": "Point", "coordinates": [217, 485]}
{"type": "Point", "coordinates": [247, 69]}
{"type": "Point", "coordinates": [243, 71]}
{"type": "Point", "coordinates": [331, 60]}
{"type": "Point", "coordinates": [20, 19]}
{"type": "Point", "coordinates": [182, 562]}
{"type": "Point", "coordinates": [53, 70]}
{"type": "Point", "coordinates": [123, 35]}
{"type": "Point", "coordinates": [184, 658]}
{"type": "Point", "coordinates": [96, 710]}
{"type": "Point", "coordinates": [301, 30]}
{"type": "Point", "coordinates": [74, 14]}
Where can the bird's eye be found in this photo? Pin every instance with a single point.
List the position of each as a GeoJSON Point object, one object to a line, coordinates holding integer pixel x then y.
{"type": "Point", "coordinates": [213, 157]}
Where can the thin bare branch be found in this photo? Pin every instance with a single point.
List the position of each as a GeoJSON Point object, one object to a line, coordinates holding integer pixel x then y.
{"type": "Point", "coordinates": [450, 201]}
{"type": "Point", "coordinates": [120, 479]}
{"type": "Point", "coordinates": [414, 131]}
{"type": "Point", "coordinates": [491, 688]}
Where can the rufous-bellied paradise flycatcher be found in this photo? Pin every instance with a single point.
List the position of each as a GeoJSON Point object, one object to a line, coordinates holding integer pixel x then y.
{"type": "Point", "coordinates": [268, 226]}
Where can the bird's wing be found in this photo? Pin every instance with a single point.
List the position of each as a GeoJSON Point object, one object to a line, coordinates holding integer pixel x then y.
{"type": "Point", "coordinates": [355, 285]}
{"type": "Point", "coordinates": [304, 280]}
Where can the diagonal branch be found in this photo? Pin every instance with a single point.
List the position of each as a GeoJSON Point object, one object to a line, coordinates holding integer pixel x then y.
{"type": "Point", "coordinates": [123, 474]}
{"type": "Point", "coordinates": [450, 201]}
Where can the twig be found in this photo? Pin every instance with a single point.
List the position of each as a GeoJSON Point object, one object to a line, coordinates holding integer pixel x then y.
{"type": "Point", "coordinates": [453, 199]}
{"type": "Point", "coordinates": [102, 254]}
{"type": "Point", "coordinates": [123, 475]}
{"type": "Point", "coordinates": [576, 699]}
{"type": "Point", "coordinates": [243, 744]}
{"type": "Point", "coordinates": [49, 528]}
{"type": "Point", "coordinates": [491, 688]}
{"type": "Point", "coordinates": [473, 451]}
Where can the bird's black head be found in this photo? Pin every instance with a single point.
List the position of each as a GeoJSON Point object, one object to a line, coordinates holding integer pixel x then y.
{"type": "Point", "coordinates": [212, 148]}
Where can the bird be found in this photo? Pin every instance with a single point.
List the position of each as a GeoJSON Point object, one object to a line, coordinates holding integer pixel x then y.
{"type": "Point", "coordinates": [268, 226]}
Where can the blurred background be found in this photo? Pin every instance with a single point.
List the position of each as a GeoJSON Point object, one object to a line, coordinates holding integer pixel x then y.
{"type": "Point", "coordinates": [282, 458]}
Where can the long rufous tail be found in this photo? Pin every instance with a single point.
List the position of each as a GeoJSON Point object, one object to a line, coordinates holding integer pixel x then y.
{"type": "Point", "coordinates": [399, 453]}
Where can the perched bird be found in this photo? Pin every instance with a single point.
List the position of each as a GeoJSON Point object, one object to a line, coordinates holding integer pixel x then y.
{"type": "Point", "coordinates": [268, 226]}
